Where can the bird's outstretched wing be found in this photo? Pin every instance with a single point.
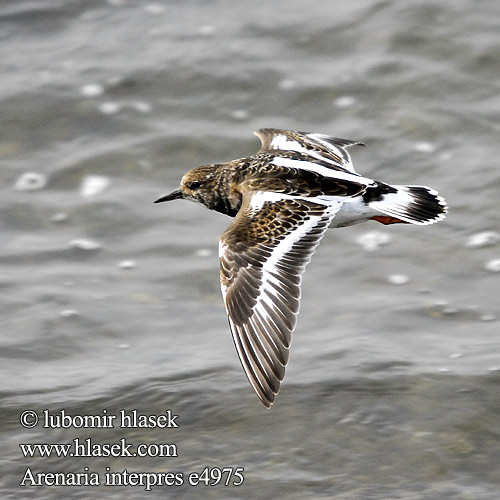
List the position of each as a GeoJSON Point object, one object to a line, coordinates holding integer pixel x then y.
{"type": "Point", "coordinates": [331, 150]}
{"type": "Point", "coordinates": [263, 255]}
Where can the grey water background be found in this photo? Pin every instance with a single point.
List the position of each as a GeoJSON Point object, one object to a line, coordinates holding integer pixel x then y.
{"type": "Point", "coordinates": [111, 302]}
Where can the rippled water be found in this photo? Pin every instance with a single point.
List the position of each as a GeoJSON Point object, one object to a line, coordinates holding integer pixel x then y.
{"type": "Point", "coordinates": [111, 302]}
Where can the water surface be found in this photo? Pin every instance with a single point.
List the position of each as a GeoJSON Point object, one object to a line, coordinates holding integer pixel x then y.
{"type": "Point", "coordinates": [111, 302]}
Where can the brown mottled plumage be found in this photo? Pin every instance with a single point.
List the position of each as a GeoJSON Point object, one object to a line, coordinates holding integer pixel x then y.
{"type": "Point", "coordinates": [283, 199]}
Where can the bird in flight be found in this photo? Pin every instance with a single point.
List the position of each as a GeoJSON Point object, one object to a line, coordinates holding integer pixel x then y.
{"type": "Point", "coordinates": [283, 199]}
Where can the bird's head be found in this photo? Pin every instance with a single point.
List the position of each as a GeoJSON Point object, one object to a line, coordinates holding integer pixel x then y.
{"type": "Point", "coordinates": [197, 185]}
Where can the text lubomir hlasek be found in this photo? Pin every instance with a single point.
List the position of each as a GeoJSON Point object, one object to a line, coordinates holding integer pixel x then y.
{"type": "Point", "coordinates": [124, 419]}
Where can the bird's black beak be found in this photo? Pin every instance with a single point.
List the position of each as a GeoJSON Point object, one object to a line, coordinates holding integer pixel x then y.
{"type": "Point", "coordinates": [175, 195]}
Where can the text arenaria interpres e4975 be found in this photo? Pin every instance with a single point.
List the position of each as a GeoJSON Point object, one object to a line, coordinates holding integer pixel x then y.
{"type": "Point", "coordinates": [283, 199]}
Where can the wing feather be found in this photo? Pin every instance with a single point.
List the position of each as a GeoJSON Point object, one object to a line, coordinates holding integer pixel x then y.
{"type": "Point", "coordinates": [262, 263]}
{"type": "Point", "coordinates": [332, 150]}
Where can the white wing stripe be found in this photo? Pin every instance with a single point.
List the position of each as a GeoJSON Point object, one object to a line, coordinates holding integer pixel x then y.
{"type": "Point", "coordinates": [280, 161]}
{"type": "Point", "coordinates": [340, 152]}
{"type": "Point", "coordinates": [288, 241]}
{"type": "Point", "coordinates": [260, 197]}
{"type": "Point", "coordinates": [283, 143]}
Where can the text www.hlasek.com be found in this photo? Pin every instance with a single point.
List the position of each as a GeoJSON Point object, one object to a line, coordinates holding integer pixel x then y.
{"type": "Point", "coordinates": [87, 448]}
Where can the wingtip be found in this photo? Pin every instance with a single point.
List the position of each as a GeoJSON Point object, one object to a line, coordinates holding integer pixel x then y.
{"type": "Point", "coordinates": [267, 404]}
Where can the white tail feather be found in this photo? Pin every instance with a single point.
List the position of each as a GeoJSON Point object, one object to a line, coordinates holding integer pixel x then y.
{"type": "Point", "coordinates": [414, 204]}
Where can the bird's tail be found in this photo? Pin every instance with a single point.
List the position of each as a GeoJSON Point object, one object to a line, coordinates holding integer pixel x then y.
{"type": "Point", "coordinates": [410, 204]}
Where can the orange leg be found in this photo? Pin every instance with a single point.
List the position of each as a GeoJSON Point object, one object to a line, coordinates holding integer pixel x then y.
{"type": "Point", "coordinates": [385, 219]}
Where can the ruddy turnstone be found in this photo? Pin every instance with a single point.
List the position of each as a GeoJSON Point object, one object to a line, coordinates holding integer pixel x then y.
{"type": "Point", "coordinates": [283, 199]}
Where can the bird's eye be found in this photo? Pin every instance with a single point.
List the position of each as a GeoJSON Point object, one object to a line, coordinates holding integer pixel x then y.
{"type": "Point", "coordinates": [194, 185]}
